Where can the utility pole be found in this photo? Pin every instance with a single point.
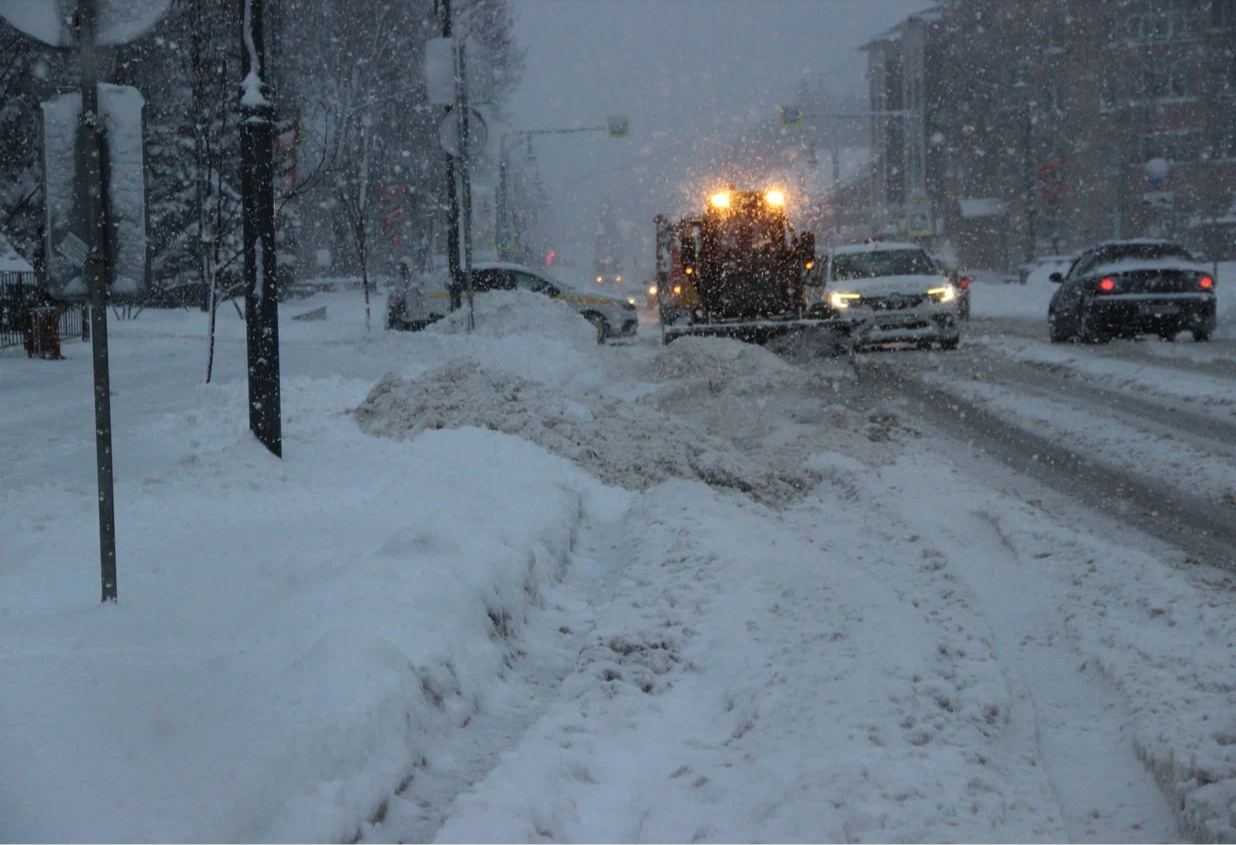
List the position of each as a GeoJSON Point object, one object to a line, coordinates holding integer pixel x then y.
{"type": "Point", "coordinates": [89, 152]}
{"type": "Point", "coordinates": [452, 196]}
{"type": "Point", "coordinates": [258, 206]}
{"type": "Point", "coordinates": [506, 231]}
{"type": "Point", "coordinates": [465, 170]}
{"type": "Point", "coordinates": [1028, 186]}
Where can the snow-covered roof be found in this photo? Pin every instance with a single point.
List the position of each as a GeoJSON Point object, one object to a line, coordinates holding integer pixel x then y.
{"type": "Point", "coordinates": [976, 208]}
{"type": "Point", "coordinates": [874, 246]}
{"type": "Point", "coordinates": [10, 261]}
{"type": "Point", "coordinates": [933, 14]}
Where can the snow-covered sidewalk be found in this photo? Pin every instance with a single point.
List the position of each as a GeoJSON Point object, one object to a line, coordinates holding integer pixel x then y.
{"type": "Point", "coordinates": [513, 586]}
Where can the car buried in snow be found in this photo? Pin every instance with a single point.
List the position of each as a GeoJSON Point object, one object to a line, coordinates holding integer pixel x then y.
{"type": "Point", "coordinates": [417, 303]}
{"type": "Point", "coordinates": [886, 293]}
{"type": "Point", "coordinates": [1126, 288]}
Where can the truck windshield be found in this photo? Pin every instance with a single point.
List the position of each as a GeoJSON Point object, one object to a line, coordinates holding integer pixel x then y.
{"type": "Point", "coordinates": [873, 265]}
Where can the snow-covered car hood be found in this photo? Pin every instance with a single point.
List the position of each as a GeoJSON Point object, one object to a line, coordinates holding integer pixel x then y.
{"type": "Point", "coordinates": [886, 285]}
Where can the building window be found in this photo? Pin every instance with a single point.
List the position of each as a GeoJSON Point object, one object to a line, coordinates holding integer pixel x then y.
{"type": "Point", "coordinates": [1175, 147]}
{"type": "Point", "coordinates": [1222, 14]}
{"type": "Point", "coordinates": [1168, 20]}
{"type": "Point", "coordinates": [1176, 77]}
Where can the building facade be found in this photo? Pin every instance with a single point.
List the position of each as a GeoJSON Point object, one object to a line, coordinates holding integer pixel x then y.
{"type": "Point", "coordinates": [1065, 121]}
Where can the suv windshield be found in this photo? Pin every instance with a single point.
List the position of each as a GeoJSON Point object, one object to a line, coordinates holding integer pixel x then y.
{"type": "Point", "coordinates": [891, 262]}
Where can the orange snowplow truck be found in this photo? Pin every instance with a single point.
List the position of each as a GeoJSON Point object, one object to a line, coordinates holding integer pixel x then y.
{"type": "Point", "coordinates": [738, 269]}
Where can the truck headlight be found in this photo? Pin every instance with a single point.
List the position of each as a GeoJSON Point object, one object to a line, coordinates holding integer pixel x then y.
{"type": "Point", "coordinates": [842, 300]}
{"type": "Point", "coordinates": [946, 293]}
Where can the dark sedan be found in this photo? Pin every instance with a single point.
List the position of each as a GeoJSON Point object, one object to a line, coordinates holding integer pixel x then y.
{"type": "Point", "coordinates": [1127, 288]}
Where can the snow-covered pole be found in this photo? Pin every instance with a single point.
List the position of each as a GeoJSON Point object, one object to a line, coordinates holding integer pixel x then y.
{"type": "Point", "coordinates": [465, 172]}
{"type": "Point", "coordinates": [89, 167]}
{"type": "Point", "coordinates": [258, 204]}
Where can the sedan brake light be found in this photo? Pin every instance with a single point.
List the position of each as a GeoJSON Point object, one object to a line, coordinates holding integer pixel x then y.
{"type": "Point", "coordinates": [1206, 283]}
{"type": "Point", "coordinates": [963, 283]}
{"type": "Point", "coordinates": [1107, 285]}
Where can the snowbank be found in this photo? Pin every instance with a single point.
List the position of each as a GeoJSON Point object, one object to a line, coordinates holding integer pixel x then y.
{"type": "Point", "coordinates": [293, 637]}
{"type": "Point", "coordinates": [623, 443]}
{"type": "Point", "coordinates": [520, 313]}
{"type": "Point", "coordinates": [993, 298]}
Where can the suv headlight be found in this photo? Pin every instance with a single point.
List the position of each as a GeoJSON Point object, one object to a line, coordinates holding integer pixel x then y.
{"type": "Point", "coordinates": [945, 293]}
{"type": "Point", "coordinates": [842, 300]}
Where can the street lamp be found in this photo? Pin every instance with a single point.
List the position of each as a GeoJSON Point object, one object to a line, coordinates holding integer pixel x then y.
{"type": "Point", "coordinates": [615, 126]}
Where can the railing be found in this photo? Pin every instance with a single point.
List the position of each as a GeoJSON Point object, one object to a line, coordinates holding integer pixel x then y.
{"type": "Point", "coordinates": [19, 296]}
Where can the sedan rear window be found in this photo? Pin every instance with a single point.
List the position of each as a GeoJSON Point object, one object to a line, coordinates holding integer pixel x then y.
{"type": "Point", "coordinates": [872, 265]}
{"type": "Point", "coordinates": [1142, 252]}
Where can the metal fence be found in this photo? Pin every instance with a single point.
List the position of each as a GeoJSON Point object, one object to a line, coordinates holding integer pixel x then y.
{"type": "Point", "coordinates": [19, 295]}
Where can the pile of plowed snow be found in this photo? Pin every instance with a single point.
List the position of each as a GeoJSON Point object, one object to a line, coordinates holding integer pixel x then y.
{"type": "Point", "coordinates": [623, 443]}
{"type": "Point", "coordinates": [508, 313]}
{"type": "Point", "coordinates": [720, 360]}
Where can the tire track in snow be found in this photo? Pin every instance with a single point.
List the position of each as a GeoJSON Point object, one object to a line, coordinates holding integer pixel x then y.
{"type": "Point", "coordinates": [421, 805]}
{"type": "Point", "coordinates": [1148, 505]}
{"type": "Point", "coordinates": [1066, 713]}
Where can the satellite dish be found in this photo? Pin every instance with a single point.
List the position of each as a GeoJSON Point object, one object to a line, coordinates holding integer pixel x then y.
{"type": "Point", "coordinates": [53, 21]}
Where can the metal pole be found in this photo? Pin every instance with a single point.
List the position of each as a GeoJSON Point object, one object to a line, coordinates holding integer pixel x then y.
{"type": "Point", "coordinates": [89, 151]}
{"type": "Point", "coordinates": [502, 224]}
{"type": "Point", "coordinates": [452, 194]}
{"type": "Point", "coordinates": [1028, 188]}
{"type": "Point", "coordinates": [465, 173]}
{"type": "Point", "coordinates": [258, 206]}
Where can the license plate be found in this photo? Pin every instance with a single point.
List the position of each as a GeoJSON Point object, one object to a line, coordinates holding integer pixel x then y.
{"type": "Point", "coordinates": [1157, 308]}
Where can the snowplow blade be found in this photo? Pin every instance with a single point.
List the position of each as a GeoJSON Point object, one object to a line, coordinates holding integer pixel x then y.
{"type": "Point", "coordinates": [829, 337]}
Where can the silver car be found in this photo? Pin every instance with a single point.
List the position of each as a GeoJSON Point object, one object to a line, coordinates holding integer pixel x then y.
{"type": "Point", "coordinates": [417, 303]}
{"type": "Point", "coordinates": [889, 293]}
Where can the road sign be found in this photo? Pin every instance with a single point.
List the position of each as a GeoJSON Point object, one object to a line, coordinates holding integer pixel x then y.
{"type": "Point", "coordinates": [51, 21]}
{"type": "Point", "coordinates": [618, 126]}
{"type": "Point", "coordinates": [439, 70]}
{"type": "Point", "coordinates": [791, 115]}
{"type": "Point", "coordinates": [478, 134]}
{"type": "Point", "coordinates": [919, 222]}
{"type": "Point", "coordinates": [66, 247]}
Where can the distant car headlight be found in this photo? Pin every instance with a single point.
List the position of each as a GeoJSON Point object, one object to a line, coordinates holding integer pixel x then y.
{"type": "Point", "coordinates": [945, 293]}
{"type": "Point", "coordinates": [631, 300]}
{"type": "Point", "coordinates": [652, 290]}
{"type": "Point", "coordinates": [842, 300]}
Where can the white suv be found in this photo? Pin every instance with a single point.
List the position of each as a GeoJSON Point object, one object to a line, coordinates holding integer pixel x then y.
{"type": "Point", "coordinates": [889, 293]}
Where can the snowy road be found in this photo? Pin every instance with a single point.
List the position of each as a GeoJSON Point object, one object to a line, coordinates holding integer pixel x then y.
{"type": "Point", "coordinates": [1168, 472]}
{"type": "Point", "coordinates": [961, 597]}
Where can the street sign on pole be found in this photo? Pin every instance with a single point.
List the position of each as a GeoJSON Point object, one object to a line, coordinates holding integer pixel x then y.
{"type": "Point", "coordinates": [83, 240]}
{"type": "Point", "coordinates": [439, 69]}
{"type": "Point", "coordinates": [51, 21]}
{"type": "Point", "coordinates": [478, 134]}
{"type": "Point", "coordinates": [66, 231]}
{"type": "Point", "coordinates": [918, 216]}
{"type": "Point", "coordinates": [791, 115]}
{"type": "Point", "coordinates": [618, 126]}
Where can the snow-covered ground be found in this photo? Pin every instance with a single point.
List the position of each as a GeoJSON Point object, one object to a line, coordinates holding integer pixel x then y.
{"type": "Point", "coordinates": [515, 586]}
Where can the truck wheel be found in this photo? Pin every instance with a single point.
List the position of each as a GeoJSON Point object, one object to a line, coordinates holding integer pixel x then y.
{"type": "Point", "coordinates": [1200, 336]}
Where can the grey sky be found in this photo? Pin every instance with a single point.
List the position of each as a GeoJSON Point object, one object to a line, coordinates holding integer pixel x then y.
{"type": "Point", "coordinates": [686, 71]}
